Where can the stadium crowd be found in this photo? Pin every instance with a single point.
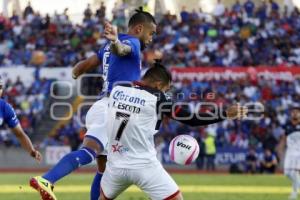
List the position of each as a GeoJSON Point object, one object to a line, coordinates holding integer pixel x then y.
{"type": "Point", "coordinates": [28, 102]}
{"type": "Point", "coordinates": [244, 35]}
{"type": "Point", "coordinates": [264, 133]}
{"type": "Point", "coordinates": [70, 134]}
{"type": "Point", "coordinates": [237, 36]}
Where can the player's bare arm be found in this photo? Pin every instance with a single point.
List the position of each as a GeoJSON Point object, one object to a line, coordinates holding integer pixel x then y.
{"type": "Point", "coordinates": [281, 147]}
{"type": "Point", "coordinates": [200, 119]}
{"type": "Point", "coordinates": [85, 66]}
{"type": "Point", "coordinates": [117, 47]}
{"type": "Point", "coordinates": [236, 112]}
{"type": "Point", "coordinates": [26, 143]}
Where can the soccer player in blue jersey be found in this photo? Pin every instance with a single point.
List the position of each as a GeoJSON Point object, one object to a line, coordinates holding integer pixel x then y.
{"type": "Point", "coordinates": [8, 117]}
{"type": "Point", "coordinates": [121, 61]}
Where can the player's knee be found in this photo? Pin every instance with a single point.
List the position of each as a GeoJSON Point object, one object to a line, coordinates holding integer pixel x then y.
{"type": "Point", "coordinates": [102, 197]}
{"type": "Point", "coordinates": [101, 163]}
{"type": "Point", "coordinates": [92, 144]}
{"type": "Point", "coordinates": [287, 173]}
{"type": "Point", "coordinates": [291, 174]}
{"type": "Point", "coordinates": [179, 196]}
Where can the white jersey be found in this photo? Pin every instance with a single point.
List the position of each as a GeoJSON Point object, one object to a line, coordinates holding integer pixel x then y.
{"type": "Point", "coordinates": [132, 123]}
{"type": "Point", "coordinates": [292, 137]}
{"type": "Point", "coordinates": [134, 116]}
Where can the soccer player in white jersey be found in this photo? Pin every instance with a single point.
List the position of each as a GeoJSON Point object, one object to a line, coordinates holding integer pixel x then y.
{"type": "Point", "coordinates": [291, 139]}
{"type": "Point", "coordinates": [136, 111]}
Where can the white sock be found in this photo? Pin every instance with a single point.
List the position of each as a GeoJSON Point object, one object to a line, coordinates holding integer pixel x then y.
{"type": "Point", "coordinates": [293, 176]}
{"type": "Point", "coordinates": [296, 181]}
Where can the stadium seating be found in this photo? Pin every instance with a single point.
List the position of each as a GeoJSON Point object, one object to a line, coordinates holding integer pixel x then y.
{"type": "Point", "coordinates": [268, 37]}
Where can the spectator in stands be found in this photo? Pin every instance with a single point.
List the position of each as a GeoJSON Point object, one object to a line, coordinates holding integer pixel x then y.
{"type": "Point", "coordinates": [269, 162]}
{"type": "Point", "coordinates": [210, 152]}
{"type": "Point", "coordinates": [184, 15]}
{"type": "Point", "coordinates": [237, 7]}
{"type": "Point", "coordinates": [274, 6]}
{"type": "Point", "coordinates": [249, 7]}
{"type": "Point", "coordinates": [251, 161]}
{"type": "Point", "coordinates": [119, 17]}
{"type": "Point", "coordinates": [100, 13]}
{"type": "Point", "coordinates": [14, 18]}
{"type": "Point", "coordinates": [88, 12]}
{"type": "Point", "coordinates": [219, 9]}
{"type": "Point", "coordinates": [28, 10]}
{"type": "Point", "coordinates": [200, 161]}
{"type": "Point", "coordinates": [261, 12]}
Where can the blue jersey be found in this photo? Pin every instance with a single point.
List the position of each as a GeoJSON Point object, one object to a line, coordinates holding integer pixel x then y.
{"type": "Point", "coordinates": [7, 115]}
{"type": "Point", "coordinates": [121, 68]}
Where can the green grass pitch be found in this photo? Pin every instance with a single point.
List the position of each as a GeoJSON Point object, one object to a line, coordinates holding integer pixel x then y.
{"type": "Point", "coordinates": [13, 186]}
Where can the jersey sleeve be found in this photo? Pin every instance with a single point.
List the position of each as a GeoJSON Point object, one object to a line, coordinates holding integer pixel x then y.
{"type": "Point", "coordinates": [183, 114]}
{"type": "Point", "coordinates": [134, 44]}
{"type": "Point", "coordinates": [10, 116]}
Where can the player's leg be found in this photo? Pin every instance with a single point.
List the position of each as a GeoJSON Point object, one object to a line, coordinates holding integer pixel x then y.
{"type": "Point", "coordinates": [156, 183]}
{"type": "Point", "coordinates": [294, 177]}
{"type": "Point", "coordinates": [114, 182]}
{"type": "Point", "coordinates": [69, 163]}
{"type": "Point", "coordinates": [95, 189]}
{"type": "Point", "coordinates": [292, 174]}
{"type": "Point", "coordinates": [96, 123]}
{"type": "Point", "coordinates": [74, 160]}
{"type": "Point", "coordinates": [92, 145]}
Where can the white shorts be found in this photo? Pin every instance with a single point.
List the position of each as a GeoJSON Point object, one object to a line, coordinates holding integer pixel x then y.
{"type": "Point", "coordinates": [153, 180]}
{"type": "Point", "coordinates": [291, 161]}
{"type": "Point", "coordinates": [96, 122]}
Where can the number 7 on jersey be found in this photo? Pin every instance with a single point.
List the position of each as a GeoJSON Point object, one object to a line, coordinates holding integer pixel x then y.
{"type": "Point", "coordinates": [124, 120]}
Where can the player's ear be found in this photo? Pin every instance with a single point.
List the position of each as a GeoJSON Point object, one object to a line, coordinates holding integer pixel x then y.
{"type": "Point", "coordinates": [139, 28]}
{"type": "Point", "coordinates": [159, 85]}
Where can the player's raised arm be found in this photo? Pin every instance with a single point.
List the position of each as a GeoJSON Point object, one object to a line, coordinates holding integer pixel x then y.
{"type": "Point", "coordinates": [26, 143]}
{"type": "Point", "coordinates": [160, 78]}
{"type": "Point", "coordinates": [116, 46]}
{"type": "Point", "coordinates": [85, 65]}
{"type": "Point", "coordinates": [141, 28]}
{"type": "Point", "coordinates": [184, 115]}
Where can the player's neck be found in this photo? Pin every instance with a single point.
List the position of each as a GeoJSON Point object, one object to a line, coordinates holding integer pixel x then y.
{"type": "Point", "coordinates": [147, 83]}
{"type": "Point", "coordinates": [132, 33]}
{"type": "Point", "coordinates": [295, 122]}
{"type": "Point", "coordinates": [144, 83]}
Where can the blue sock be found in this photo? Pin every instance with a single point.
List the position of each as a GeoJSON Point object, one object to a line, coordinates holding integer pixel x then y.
{"type": "Point", "coordinates": [95, 189]}
{"type": "Point", "coordinates": [69, 163]}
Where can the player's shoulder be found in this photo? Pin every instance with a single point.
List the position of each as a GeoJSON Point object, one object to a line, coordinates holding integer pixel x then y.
{"type": "Point", "coordinates": [123, 36]}
{"type": "Point", "coordinates": [139, 86]}
{"type": "Point", "coordinates": [126, 38]}
{"type": "Point", "coordinates": [4, 105]}
{"type": "Point", "coordinates": [289, 125]}
{"type": "Point", "coordinates": [290, 128]}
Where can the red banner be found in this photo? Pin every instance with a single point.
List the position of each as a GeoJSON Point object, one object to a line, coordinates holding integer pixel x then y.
{"type": "Point", "coordinates": [216, 73]}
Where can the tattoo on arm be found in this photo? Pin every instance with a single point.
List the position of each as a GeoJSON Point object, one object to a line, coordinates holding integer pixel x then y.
{"type": "Point", "coordinates": [119, 48]}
